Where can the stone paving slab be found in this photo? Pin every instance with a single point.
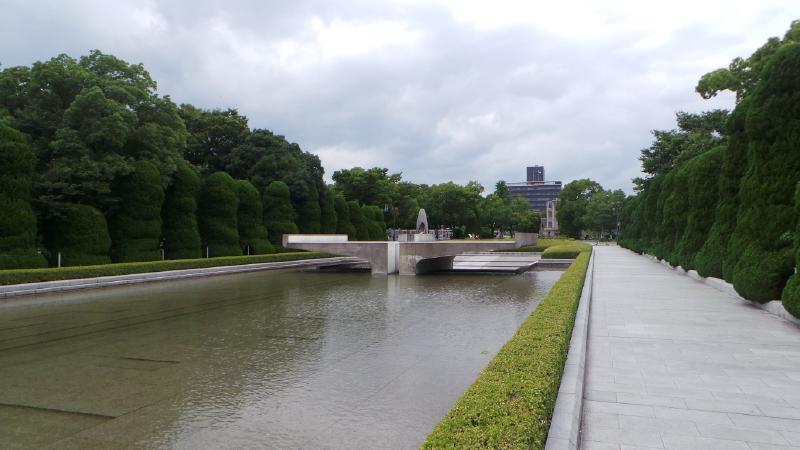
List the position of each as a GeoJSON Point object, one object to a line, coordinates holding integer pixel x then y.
{"type": "Point", "coordinates": [674, 364]}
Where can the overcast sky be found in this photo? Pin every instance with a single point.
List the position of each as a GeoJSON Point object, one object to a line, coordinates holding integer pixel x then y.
{"type": "Point", "coordinates": [438, 90]}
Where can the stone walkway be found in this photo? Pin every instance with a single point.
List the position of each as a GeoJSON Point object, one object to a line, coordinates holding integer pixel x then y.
{"type": "Point", "coordinates": [675, 364]}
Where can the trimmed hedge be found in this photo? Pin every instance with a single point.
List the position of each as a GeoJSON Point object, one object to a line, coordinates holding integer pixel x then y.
{"type": "Point", "coordinates": [376, 227]}
{"type": "Point", "coordinates": [218, 209]}
{"type": "Point", "coordinates": [252, 232]}
{"type": "Point", "coordinates": [343, 223]}
{"type": "Point", "coordinates": [328, 217]}
{"type": "Point", "coordinates": [309, 212]}
{"type": "Point", "coordinates": [53, 274]}
{"type": "Point", "coordinates": [179, 215]}
{"type": "Point", "coordinates": [135, 224]}
{"type": "Point", "coordinates": [278, 212]}
{"type": "Point", "coordinates": [18, 221]}
{"type": "Point", "coordinates": [568, 251]}
{"type": "Point", "coordinates": [511, 403]}
{"type": "Point", "coordinates": [80, 233]}
{"type": "Point", "coordinates": [358, 220]}
{"type": "Point", "coordinates": [791, 292]}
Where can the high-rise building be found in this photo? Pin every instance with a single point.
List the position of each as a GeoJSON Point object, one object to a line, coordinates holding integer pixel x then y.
{"type": "Point", "coordinates": [536, 191]}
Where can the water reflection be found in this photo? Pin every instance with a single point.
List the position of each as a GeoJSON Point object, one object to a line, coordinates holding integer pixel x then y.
{"type": "Point", "coordinates": [282, 360]}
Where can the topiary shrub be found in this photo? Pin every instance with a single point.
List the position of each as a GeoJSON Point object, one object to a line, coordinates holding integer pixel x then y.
{"type": "Point", "coordinates": [308, 213]}
{"type": "Point", "coordinates": [252, 232]}
{"type": "Point", "coordinates": [343, 223]}
{"type": "Point", "coordinates": [135, 223]}
{"type": "Point", "coordinates": [767, 212]}
{"type": "Point", "coordinates": [713, 259]}
{"type": "Point", "coordinates": [358, 220]}
{"type": "Point", "coordinates": [376, 227]}
{"type": "Point", "coordinates": [18, 221]}
{"type": "Point", "coordinates": [328, 217]}
{"type": "Point", "coordinates": [278, 212]}
{"type": "Point", "coordinates": [218, 209]}
{"type": "Point", "coordinates": [80, 234]}
{"type": "Point", "coordinates": [561, 252]}
{"type": "Point", "coordinates": [791, 292]}
{"type": "Point", "coordinates": [179, 215]}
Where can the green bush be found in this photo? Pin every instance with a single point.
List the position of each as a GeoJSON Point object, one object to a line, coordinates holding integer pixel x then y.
{"type": "Point", "coordinates": [252, 232]}
{"type": "Point", "coordinates": [328, 217]}
{"type": "Point", "coordinates": [18, 221]}
{"type": "Point", "coordinates": [511, 403]}
{"type": "Point", "coordinates": [567, 251]}
{"type": "Point", "coordinates": [135, 223]}
{"type": "Point", "coordinates": [80, 234]}
{"type": "Point", "coordinates": [278, 212]}
{"type": "Point", "coordinates": [343, 223]}
{"type": "Point", "coordinates": [358, 220]}
{"type": "Point", "coordinates": [767, 212]}
{"type": "Point", "coordinates": [179, 215]}
{"type": "Point", "coordinates": [791, 292]}
{"type": "Point", "coordinates": [52, 274]}
{"type": "Point", "coordinates": [218, 210]}
{"type": "Point", "coordinates": [713, 259]}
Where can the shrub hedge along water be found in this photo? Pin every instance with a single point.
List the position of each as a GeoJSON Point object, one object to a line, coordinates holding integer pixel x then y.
{"type": "Point", "coordinates": [135, 224]}
{"type": "Point", "coordinates": [376, 228]}
{"type": "Point", "coordinates": [358, 220]}
{"type": "Point", "coordinates": [328, 217]}
{"type": "Point", "coordinates": [511, 403]}
{"type": "Point", "coordinates": [179, 213]}
{"type": "Point", "coordinates": [343, 223]}
{"type": "Point", "coordinates": [308, 214]}
{"type": "Point", "coordinates": [218, 209]}
{"type": "Point", "coordinates": [791, 293]}
{"type": "Point", "coordinates": [80, 234]}
{"type": "Point", "coordinates": [17, 221]}
{"type": "Point", "coordinates": [252, 232]}
{"type": "Point", "coordinates": [745, 230]}
{"type": "Point", "coordinates": [278, 212]}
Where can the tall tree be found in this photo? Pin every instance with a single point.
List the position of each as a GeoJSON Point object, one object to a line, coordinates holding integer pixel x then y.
{"type": "Point", "coordinates": [218, 210]}
{"type": "Point", "coordinates": [343, 223]}
{"type": "Point", "coordinates": [572, 203]}
{"type": "Point", "coordinates": [278, 213]}
{"type": "Point", "coordinates": [328, 217]}
{"type": "Point", "coordinates": [179, 214]}
{"type": "Point", "coordinates": [358, 220]}
{"type": "Point", "coordinates": [252, 232]}
{"type": "Point", "coordinates": [135, 223]}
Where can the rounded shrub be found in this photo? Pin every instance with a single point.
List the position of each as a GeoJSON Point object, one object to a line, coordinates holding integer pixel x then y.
{"type": "Point", "coordinates": [308, 213]}
{"type": "Point", "coordinates": [791, 292]}
{"type": "Point", "coordinates": [252, 232]}
{"type": "Point", "coordinates": [562, 252]}
{"type": "Point", "coordinates": [80, 234]}
{"type": "Point", "coordinates": [358, 220]}
{"type": "Point", "coordinates": [278, 212]}
{"type": "Point", "coordinates": [376, 227]}
{"type": "Point", "coordinates": [179, 214]}
{"type": "Point", "coordinates": [343, 223]}
{"type": "Point", "coordinates": [328, 217]}
{"type": "Point", "coordinates": [135, 223]}
{"type": "Point", "coordinates": [18, 221]}
{"type": "Point", "coordinates": [218, 209]}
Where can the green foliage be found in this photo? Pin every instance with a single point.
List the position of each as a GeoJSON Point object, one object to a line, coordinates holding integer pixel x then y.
{"type": "Point", "coordinates": [179, 214]}
{"type": "Point", "coordinates": [511, 403]}
{"type": "Point", "coordinates": [40, 275]}
{"type": "Point", "coordinates": [252, 232]}
{"type": "Point", "coordinates": [569, 250]}
{"type": "Point", "coordinates": [328, 217]}
{"type": "Point", "coordinates": [343, 223]}
{"type": "Point", "coordinates": [358, 220]}
{"type": "Point", "coordinates": [452, 205]}
{"type": "Point", "coordinates": [309, 213]}
{"type": "Point", "coordinates": [767, 210]}
{"type": "Point", "coordinates": [278, 213]}
{"type": "Point", "coordinates": [80, 234]}
{"type": "Point", "coordinates": [791, 292]}
{"type": "Point", "coordinates": [135, 223]}
{"type": "Point", "coordinates": [376, 227]}
{"type": "Point", "coordinates": [18, 221]}
{"type": "Point", "coordinates": [218, 209]}
{"type": "Point", "coordinates": [572, 204]}
{"type": "Point", "coordinates": [212, 136]}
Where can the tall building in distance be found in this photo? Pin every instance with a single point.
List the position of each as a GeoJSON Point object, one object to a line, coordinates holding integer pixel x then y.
{"type": "Point", "coordinates": [535, 190]}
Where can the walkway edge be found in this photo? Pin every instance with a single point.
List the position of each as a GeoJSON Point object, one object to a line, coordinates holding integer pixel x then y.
{"type": "Point", "coordinates": [565, 425]}
{"type": "Point", "coordinates": [46, 287]}
{"type": "Point", "coordinates": [774, 307]}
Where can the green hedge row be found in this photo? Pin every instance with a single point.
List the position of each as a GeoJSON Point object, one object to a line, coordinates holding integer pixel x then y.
{"type": "Point", "coordinates": [511, 403]}
{"type": "Point", "coordinates": [69, 273]}
{"type": "Point", "coordinates": [567, 251]}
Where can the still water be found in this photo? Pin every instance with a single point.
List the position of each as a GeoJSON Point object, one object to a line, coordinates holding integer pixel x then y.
{"type": "Point", "coordinates": [259, 360]}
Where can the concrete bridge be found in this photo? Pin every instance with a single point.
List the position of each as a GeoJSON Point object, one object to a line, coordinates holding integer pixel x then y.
{"type": "Point", "coordinates": [405, 258]}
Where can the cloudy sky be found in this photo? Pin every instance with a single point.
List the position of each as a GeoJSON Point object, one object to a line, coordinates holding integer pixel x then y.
{"type": "Point", "coordinates": [438, 90]}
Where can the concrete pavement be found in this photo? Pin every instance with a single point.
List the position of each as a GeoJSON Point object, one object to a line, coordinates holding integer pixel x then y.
{"type": "Point", "coordinates": [675, 364]}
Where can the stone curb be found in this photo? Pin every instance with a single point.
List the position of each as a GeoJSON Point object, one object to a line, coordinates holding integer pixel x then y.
{"type": "Point", "coordinates": [565, 425]}
{"type": "Point", "coordinates": [774, 307]}
{"type": "Point", "coordinates": [14, 290]}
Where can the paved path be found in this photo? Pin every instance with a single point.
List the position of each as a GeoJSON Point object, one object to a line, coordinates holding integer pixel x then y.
{"type": "Point", "coordinates": [676, 364]}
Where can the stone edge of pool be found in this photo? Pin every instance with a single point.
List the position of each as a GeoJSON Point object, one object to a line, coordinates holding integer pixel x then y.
{"type": "Point", "coordinates": [47, 287]}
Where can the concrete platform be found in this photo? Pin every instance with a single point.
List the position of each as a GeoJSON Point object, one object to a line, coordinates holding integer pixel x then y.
{"type": "Point", "coordinates": [674, 364]}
